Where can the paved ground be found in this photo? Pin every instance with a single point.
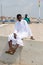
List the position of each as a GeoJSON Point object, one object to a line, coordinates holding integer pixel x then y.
{"type": "Point", "coordinates": [30, 54]}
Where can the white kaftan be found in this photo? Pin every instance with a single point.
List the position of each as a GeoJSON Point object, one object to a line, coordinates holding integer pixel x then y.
{"type": "Point", "coordinates": [15, 41]}
{"type": "Point", "coordinates": [22, 29]}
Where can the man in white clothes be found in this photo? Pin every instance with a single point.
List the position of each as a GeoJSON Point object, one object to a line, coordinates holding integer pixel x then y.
{"type": "Point", "coordinates": [14, 42]}
{"type": "Point", "coordinates": [22, 29]}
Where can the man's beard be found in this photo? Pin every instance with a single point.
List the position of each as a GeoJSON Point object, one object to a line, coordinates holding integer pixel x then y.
{"type": "Point", "coordinates": [19, 20]}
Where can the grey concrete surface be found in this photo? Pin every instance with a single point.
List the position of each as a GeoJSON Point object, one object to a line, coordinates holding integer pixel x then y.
{"type": "Point", "coordinates": [30, 54]}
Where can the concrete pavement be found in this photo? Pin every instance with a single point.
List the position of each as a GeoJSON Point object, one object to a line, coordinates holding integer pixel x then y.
{"type": "Point", "coordinates": [30, 54]}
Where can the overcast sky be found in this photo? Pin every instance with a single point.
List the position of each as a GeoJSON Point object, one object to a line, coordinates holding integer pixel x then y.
{"type": "Point", "coordinates": [13, 7]}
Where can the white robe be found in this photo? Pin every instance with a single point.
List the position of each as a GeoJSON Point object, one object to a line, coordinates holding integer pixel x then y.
{"type": "Point", "coordinates": [22, 29]}
{"type": "Point", "coordinates": [15, 41]}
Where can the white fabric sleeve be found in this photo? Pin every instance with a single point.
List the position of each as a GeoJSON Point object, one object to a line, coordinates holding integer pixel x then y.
{"type": "Point", "coordinates": [9, 38]}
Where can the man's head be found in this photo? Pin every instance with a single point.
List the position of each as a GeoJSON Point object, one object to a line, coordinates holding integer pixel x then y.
{"type": "Point", "coordinates": [26, 15]}
{"type": "Point", "coordinates": [19, 17]}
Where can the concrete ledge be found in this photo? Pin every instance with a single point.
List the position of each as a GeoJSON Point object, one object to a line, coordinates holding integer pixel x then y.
{"type": "Point", "coordinates": [30, 54]}
{"type": "Point", "coordinates": [7, 22]}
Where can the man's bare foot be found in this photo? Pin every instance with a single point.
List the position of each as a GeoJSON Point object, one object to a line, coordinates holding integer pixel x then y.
{"type": "Point", "coordinates": [32, 38]}
{"type": "Point", "coordinates": [11, 52]}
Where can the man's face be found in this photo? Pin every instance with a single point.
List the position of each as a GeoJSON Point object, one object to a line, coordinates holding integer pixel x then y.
{"type": "Point", "coordinates": [15, 35]}
{"type": "Point", "coordinates": [19, 18]}
{"type": "Point", "coordinates": [25, 16]}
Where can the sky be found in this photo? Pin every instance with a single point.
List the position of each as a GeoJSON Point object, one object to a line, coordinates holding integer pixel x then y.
{"type": "Point", "coordinates": [14, 7]}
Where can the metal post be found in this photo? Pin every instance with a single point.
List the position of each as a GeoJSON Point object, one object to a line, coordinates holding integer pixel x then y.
{"type": "Point", "coordinates": [1, 12]}
{"type": "Point", "coordinates": [39, 9]}
{"type": "Point", "coordinates": [2, 15]}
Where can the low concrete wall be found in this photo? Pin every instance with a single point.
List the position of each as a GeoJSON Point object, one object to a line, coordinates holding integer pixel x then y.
{"type": "Point", "coordinates": [30, 54]}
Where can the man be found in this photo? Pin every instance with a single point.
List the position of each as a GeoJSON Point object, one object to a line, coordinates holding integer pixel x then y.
{"type": "Point", "coordinates": [14, 42]}
{"type": "Point", "coordinates": [27, 19]}
{"type": "Point", "coordinates": [22, 29]}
